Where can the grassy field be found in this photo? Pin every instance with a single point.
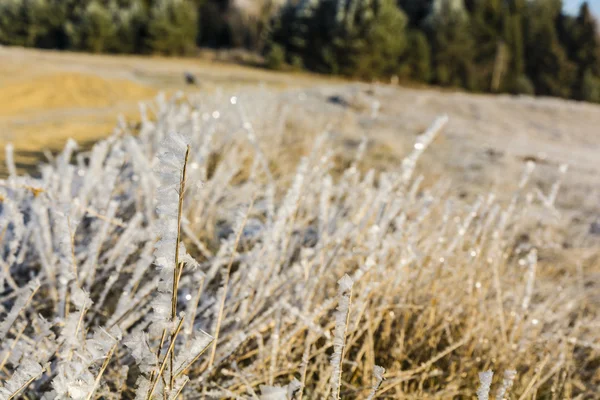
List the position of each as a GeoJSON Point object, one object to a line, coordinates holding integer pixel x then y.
{"type": "Point", "coordinates": [328, 228]}
{"type": "Point", "coordinates": [47, 97]}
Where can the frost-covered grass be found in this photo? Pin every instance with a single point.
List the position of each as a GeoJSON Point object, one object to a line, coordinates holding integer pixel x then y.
{"type": "Point", "coordinates": [188, 260]}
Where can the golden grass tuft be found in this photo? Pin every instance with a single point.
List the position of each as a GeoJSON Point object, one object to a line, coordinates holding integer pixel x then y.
{"type": "Point", "coordinates": [67, 89]}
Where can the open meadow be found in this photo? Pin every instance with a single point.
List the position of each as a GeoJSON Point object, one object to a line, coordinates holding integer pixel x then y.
{"type": "Point", "coordinates": [288, 236]}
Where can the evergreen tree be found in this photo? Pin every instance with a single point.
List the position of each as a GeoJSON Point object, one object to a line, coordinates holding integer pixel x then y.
{"type": "Point", "coordinates": [417, 58]}
{"type": "Point", "coordinates": [132, 29]}
{"type": "Point", "coordinates": [372, 39]}
{"type": "Point", "coordinates": [12, 27]}
{"type": "Point", "coordinates": [214, 30]}
{"type": "Point", "coordinates": [513, 35]}
{"type": "Point", "coordinates": [288, 35]}
{"type": "Point", "coordinates": [452, 44]}
{"type": "Point", "coordinates": [581, 38]}
{"type": "Point", "coordinates": [547, 63]}
{"type": "Point", "coordinates": [97, 30]}
{"type": "Point", "coordinates": [416, 11]}
{"type": "Point", "coordinates": [362, 38]}
{"type": "Point", "coordinates": [173, 27]}
{"type": "Point", "coordinates": [491, 57]}
{"type": "Point", "coordinates": [50, 17]}
{"type": "Point", "coordinates": [589, 87]}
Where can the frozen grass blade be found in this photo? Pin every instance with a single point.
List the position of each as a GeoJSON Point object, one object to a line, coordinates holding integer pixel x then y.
{"type": "Point", "coordinates": [485, 383]}
{"type": "Point", "coordinates": [339, 339]}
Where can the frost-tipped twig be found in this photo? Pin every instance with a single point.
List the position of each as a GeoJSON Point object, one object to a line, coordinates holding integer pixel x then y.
{"type": "Point", "coordinates": [163, 364]}
{"type": "Point", "coordinates": [485, 379]}
{"type": "Point", "coordinates": [339, 340]}
{"type": "Point", "coordinates": [507, 382]}
{"type": "Point", "coordinates": [27, 372]}
{"type": "Point", "coordinates": [485, 383]}
{"type": "Point", "coordinates": [18, 307]}
{"type": "Point", "coordinates": [304, 367]}
{"type": "Point", "coordinates": [377, 378]}
{"type": "Point", "coordinates": [179, 268]}
{"type": "Point", "coordinates": [101, 372]}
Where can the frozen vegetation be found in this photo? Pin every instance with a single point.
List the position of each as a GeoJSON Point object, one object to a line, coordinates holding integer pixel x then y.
{"type": "Point", "coordinates": [232, 247]}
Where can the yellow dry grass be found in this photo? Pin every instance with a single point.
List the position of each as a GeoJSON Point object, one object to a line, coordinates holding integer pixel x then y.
{"type": "Point", "coordinates": [49, 96]}
{"type": "Point", "coordinates": [68, 90]}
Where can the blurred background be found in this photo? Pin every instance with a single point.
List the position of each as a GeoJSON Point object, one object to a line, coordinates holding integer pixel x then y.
{"type": "Point", "coordinates": [51, 87]}
{"type": "Point", "coordinates": [543, 47]}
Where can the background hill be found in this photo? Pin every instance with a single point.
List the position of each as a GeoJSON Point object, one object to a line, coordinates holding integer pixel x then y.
{"type": "Point", "coordinates": [499, 46]}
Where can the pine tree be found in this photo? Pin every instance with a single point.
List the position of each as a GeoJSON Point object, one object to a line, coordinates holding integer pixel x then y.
{"type": "Point", "coordinates": [581, 37]}
{"type": "Point", "coordinates": [589, 87]}
{"type": "Point", "coordinates": [547, 63]}
{"type": "Point", "coordinates": [97, 30]}
{"type": "Point", "coordinates": [452, 44]}
{"type": "Point", "coordinates": [491, 58]}
{"type": "Point", "coordinates": [417, 58]}
{"type": "Point", "coordinates": [132, 28]}
{"type": "Point", "coordinates": [362, 38]}
{"type": "Point", "coordinates": [287, 34]}
{"type": "Point", "coordinates": [416, 11]}
{"type": "Point", "coordinates": [213, 29]}
{"type": "Point", "coordinates": [374, 35]}
{"type": "Point", "coordinates": [49, 18]}
{"type": "Point", "coordinates": [173, 27]}
{"type": "Point", "coordinates": [10, 33]}
{"type": "Point", "coordinates": [514, 39]}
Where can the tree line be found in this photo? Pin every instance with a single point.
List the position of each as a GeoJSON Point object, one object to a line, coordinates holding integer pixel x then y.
{"type": "Point", "coordinates": [512, 46]}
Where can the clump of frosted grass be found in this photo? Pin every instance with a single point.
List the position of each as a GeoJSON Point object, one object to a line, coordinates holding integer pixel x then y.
{"type": "Point", "coordinates": [198, 258]}
{"type": "Point", "coordinates": [377, 378]}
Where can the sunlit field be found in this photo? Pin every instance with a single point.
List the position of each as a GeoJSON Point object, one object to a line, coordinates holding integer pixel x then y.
{"type": "Point", "coordinates": [279, 236]}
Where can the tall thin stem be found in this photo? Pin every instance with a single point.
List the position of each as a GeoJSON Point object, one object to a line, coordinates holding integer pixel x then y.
{"type": "Point", "coordinates": [164, 362]}
{"type": "Point", "coordinates": [178, 268]}
{"type": "Point", "coordinates": [102, 369]}
{"type": "Point", "coordinates": [176, 274]}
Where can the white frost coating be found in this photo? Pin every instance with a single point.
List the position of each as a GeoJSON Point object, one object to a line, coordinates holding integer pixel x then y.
{"type": "Point", "coordinates": [20, 303]}
{"type": "Point", "coordinates": [339, 336]}
{"type": "Point", "coordinates": [27, 371]}
{"type": "Point", "coordinates": [10, 162]}
{"type": "Point", "coordinates": [168, 168]}
{"type": "Point", "coordinates": [75, 378]}
{"type": "Point", "coordinates": [197, 345]}
{"type": "Point", "coordinates": [143, 388]}
{"type": "Point", "coordinates": [88, 269]}
{"type": "Point", "coordinates": [368, 223]}
{"type": "Point", "coordinates": [137, 343]}
{"type": "Point", "coordinates": [80, 298]}
{"type": "Point", "coordinates": [507, 382]}
{"type": "Point", "coordinates": [101, 343]}
{"type": "Point", "coordinates": [377, 378]}
{"type": "Point", "coordinates": [485, 380]}
{"type": "Point", "coordinates": [529, 286]}
{"type": "Point", "coordinates": [423, 141]}
{"type": "Point", "coordinates": [273, 393]}
{"type": "Point", "coordinates": [279, 392]}
{"type": "Point", "coordinates": [161, 317]}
